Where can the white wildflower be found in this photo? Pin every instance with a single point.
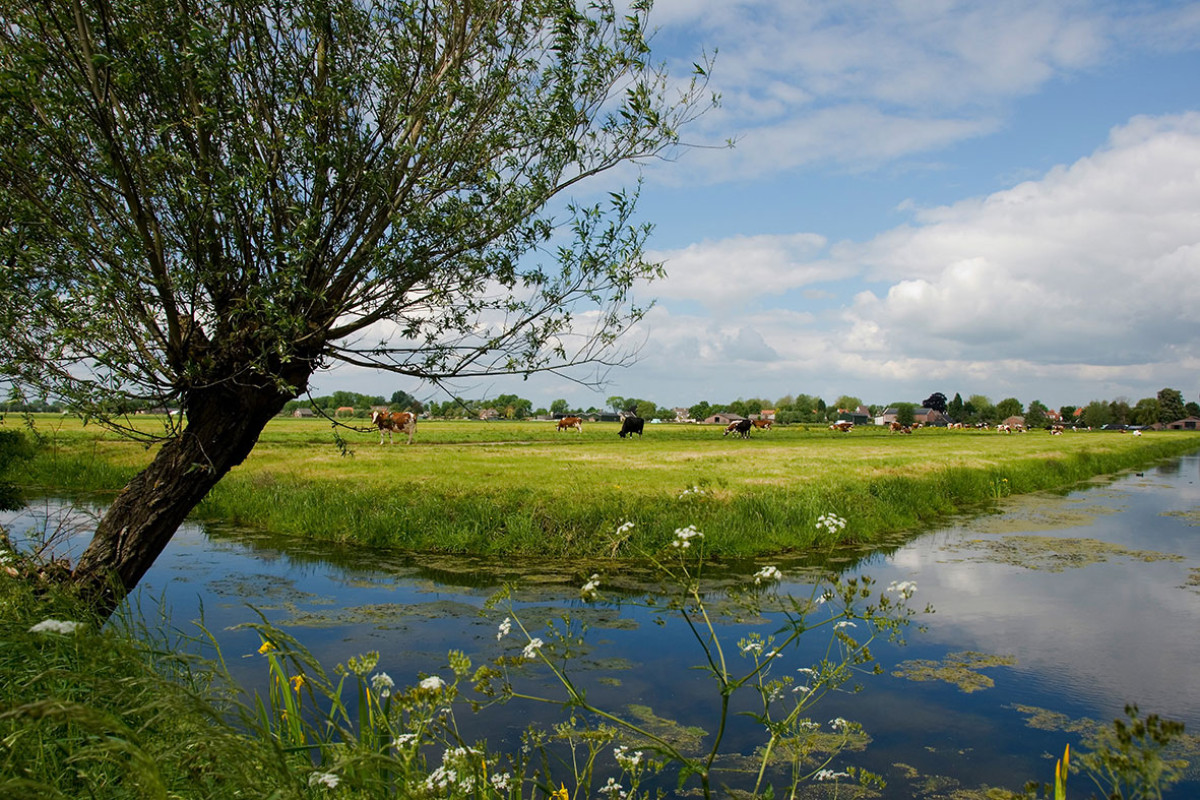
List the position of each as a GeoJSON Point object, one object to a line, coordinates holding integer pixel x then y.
{"type": "Point", "coordinates": [830, 775]}
{"type": "Point", "coordinates": [326, 779]}
{"type": "Point", "coordinates": [588, 592]}
{"type": "Point", "coordinates": [383, 684]}
{"type": "Point", "coordinates": [531, 649]}
{"type": "Point", "coordinates": [752, 647]}
{"type": "Point", "coordinates": [625, 760]}
{"type": "Point", "coordinates": [433, 683]}
{"type": "Point", "coordinates": [839, 724]}
{"type": "Point", "coordinates": [504, 629]}
{"type": "Point", "coordinates": [56, 626]}
{"type": "Point", "coordinates": [845, 624]}
{"type": "Point", "coordinates": [831, 522]}
{"type": "Point", "coordinates": [905, 589]}
{"type": "Point", "coordinates": [692, 490]}
{"type": "Point", "coordinates": [404, 740]}
{"type": "Point", "coordinates": [766, 575]}
{"type": "Point", "coordinates": [500, 782]}
{"type": "Point", "coordinates": [613, 790]}
{"type": "Point", "coordinates": [624, 528]}
{"type": "Point", "coordinates": [684, 536]}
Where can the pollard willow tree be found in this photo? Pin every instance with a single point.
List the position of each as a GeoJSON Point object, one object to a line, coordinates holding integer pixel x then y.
{"type": "Point", "coordinates": [203, 203]}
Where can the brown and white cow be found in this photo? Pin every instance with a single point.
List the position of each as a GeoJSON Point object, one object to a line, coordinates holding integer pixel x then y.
{"type": "Point", "coordinates": [389, 421]}
{"type": "Point", "coordinates": [741, 427]}
{"type": "Point", "coordinates": [763, 424]}
{"type": "Point", "coordinates": [571, 422]}
{"type": "Point", "coordinates": [842, 425]}
{"type": "Point", "coordinates": [897, 427]}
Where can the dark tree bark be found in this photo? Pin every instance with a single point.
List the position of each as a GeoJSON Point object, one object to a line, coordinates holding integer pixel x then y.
{"type": "Point", "coordinates": [223, 427]}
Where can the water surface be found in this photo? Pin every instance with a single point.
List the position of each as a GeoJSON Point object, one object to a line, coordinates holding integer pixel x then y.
{"type": "Point", "coordinates": [1081, 602]}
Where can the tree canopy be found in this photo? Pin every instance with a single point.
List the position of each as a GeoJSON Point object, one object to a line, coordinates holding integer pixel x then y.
{"type": "Point", "coordinates": [205, 203]}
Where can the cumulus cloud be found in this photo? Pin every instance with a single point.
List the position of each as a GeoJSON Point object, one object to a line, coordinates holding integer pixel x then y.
{"type": "Point", "coordinates": [727, 273]}
{"type": "Point", "coordinates": [1085, 276]}
{"type": "Point", "coordinates": [859, 82]}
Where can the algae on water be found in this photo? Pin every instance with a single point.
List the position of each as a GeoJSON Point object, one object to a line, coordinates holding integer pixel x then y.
{"type": "Point", "coordinates": [960, 669]}
{"type": "Point", "coordinates": [1053, 553]}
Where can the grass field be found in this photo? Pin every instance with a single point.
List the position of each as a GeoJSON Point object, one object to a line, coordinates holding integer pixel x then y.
{"type": "Point", "coordinates": [524, 488]}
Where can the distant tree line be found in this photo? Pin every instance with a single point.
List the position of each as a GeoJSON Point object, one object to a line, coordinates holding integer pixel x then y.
{"type": "Point", "coordinates": [1167, 406]}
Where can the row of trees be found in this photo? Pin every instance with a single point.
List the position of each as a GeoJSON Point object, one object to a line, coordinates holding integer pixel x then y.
{"type": "Point", "coordinates": [1167, 406]}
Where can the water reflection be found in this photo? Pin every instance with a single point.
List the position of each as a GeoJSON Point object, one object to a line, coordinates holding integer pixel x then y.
{"type": "Point", "coordinates": [1088, 628]}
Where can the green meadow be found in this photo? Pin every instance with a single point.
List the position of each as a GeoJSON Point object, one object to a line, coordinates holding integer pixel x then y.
{"type": "Point", "coordinates": [523, 488]}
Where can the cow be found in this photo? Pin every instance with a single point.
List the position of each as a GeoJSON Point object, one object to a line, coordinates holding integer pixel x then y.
{"type": "Point", "coordinates": [571, 422]}
{"type": "Point", "coordinates": [842, 425]}
{"type": "Point", "coordinates": [631, 425]}
{"type": "Point", "coordinates": [389, 421]}
{"type": "Point", "coordinates": [741, 427]}
{"type": "Point", "coordinates": [897, 427]}
{"type": "Point", "coordinates": [763, 424]}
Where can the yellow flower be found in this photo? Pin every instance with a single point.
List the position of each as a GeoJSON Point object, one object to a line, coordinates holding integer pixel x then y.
{"type": "Point", "coordinates": [266, 648]}
{"type": "Point", "coordinates": [297, 682]}
{"type": "Point", "coordinates": [561, 794]}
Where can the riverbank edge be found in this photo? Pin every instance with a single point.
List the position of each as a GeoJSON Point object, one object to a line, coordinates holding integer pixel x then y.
{"type": "Point", "coordinates": [522, 521]}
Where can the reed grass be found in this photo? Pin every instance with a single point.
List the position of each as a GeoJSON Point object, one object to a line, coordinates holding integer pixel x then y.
{"type": "Point", "coordinates": [526, 489]}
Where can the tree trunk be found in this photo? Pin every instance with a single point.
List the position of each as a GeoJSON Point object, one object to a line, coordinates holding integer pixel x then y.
{"type": "Point", "coordinates": [222, 428]}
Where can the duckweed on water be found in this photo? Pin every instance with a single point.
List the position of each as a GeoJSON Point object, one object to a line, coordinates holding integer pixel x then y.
{"type": "Point", "coordinates": [960, 669]}
{"type": "Point", "coordinates": [1052, 553]}
{"type": "Point", "coordinates": [1190, 516]}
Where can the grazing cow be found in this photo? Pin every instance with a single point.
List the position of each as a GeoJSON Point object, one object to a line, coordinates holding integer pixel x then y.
{"type": "Point", "coordinates": [630, 426]}
{"type": "Point", "coordinates": [389, 421]}
{"type": "Point", "coordinates": [348, 410]}
{"type": "Point", "coordinates": [842, 425]}
{"type": "Point", "coordinates": [763, 424]}
{"type": "Point", "coordinates": [571, 422]}
{"type": "Point", "coordinates": [1002, 428]}
{"type": "Point", "coordinates": [1056, 430]}
{"type": "Point", "coordinates": [741, 427]}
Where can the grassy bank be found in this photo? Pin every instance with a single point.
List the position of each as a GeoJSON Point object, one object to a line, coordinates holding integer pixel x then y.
{"type": "Point", "coordinates": [524, 488]}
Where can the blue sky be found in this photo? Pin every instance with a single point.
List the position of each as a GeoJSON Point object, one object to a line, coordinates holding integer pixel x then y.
{"type": "Point", "coordinates": [997, 198]}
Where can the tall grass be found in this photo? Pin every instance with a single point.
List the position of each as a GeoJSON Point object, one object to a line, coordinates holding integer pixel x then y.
{"type": "Point", "coordinates": [524, 488]}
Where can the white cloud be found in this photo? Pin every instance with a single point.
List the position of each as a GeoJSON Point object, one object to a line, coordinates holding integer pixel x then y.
{"type": "Point", "coordinates": [726, 274]}
{"type": "Point", "coordinates": [1086, 276]}
{"type": "Point", "coordinates": [861, 82]}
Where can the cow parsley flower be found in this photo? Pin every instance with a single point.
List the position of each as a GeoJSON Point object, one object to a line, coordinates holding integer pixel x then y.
{"type": "Point", "coordinates": [56, 626]}
{"type": "Point", "coordinates": [383, 684]}
{"type": "Point", "coordinates": [692, 490]}
{"type": "Point", "coordinates": [613, 790]}
{"type": "Point", "coordinates": [767, 575]}
{"type": "Point", "coordinates": [845, 624]}
{"type": "Point", "coordinates": [624, 528]}
{"type": "Point", "coordinates": [905, 589]}
{"type": "Point", "coordinates": [830, 775]}
{"type": "Point", "coordinates": [504, 629]}
{"type": "Point", "coordinates": [326, 779]}
{"type": "Point", "coordinates": [404, 740]}
{"type": "Point", "coordinates": [432, 683]}
{"type": "Point", "coordinates": [751, 646]}
{"type": "Point", "coordinates": [831, 522]}
{"type": "Point", "coordinates": [588, 592]}
{"type": "Point", "coordinates": [531, 649]}
{"type": "Point", "coordinates": [839, 724]}
{"type": "Point", "coordinates": [500, 782]}
{"type": "Point", "coordinates": [684, 536]}
{"type": "Point", "coordinates": [627, 761]}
